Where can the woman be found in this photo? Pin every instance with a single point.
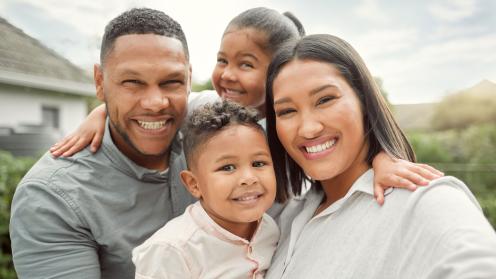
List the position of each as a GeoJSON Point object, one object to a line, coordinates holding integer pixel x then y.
{"type": "Point", "coordinates": [326, 120]}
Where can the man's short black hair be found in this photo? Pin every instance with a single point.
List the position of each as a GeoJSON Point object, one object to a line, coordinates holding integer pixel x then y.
{"type": "Point", "coordinates": [141, 21]}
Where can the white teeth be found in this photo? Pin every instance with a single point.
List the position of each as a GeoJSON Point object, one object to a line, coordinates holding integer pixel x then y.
{"type": "Point", "coordinates": [231, 91]}
{"type": "Point", "coordinates": [247, 198]}
{"type": "Point", "coordinates": [151, 125]}
{"type": "Point", "coordinates": [320, 147]}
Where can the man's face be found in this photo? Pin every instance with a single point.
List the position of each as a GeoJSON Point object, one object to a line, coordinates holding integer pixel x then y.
{"type": "Point", "coordinates": [145, 81]}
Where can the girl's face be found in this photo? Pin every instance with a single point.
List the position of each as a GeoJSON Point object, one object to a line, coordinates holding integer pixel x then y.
{"type": "Point", "coordinates": [319, 120]}
{"type": "Point", "coordinates": [241, 68]}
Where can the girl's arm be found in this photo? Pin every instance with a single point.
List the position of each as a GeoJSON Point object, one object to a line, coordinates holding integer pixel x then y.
{"type": "Point", "coordinates": [390, 172]}
{"type": "Point", "coordinates": [89, 132]}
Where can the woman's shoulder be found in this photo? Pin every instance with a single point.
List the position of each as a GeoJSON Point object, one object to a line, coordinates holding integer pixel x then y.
{"type": "Point", "coordinates": [445, 190]}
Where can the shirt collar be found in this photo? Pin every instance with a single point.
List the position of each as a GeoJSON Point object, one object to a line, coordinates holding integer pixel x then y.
{"type": "Point", "coordinates": [123, 163]}
{"type": "Point", "coordinates": [204, 221]}
{"type": "Point", "coordinates": [364, 184]}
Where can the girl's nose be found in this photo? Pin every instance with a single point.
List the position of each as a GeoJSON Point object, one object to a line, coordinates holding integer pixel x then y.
{"type": "Point", "coordinates": [228, 74]}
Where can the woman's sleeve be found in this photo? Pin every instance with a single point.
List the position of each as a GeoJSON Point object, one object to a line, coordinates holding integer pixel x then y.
{"type": "Point", "coordinates": [448, 231]}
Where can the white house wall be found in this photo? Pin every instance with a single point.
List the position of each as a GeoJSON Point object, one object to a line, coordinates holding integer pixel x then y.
{"type": "Point", "coordinates": [19, 106]}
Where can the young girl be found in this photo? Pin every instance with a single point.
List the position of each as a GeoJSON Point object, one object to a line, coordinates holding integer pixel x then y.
{"type": "Point", "coordinates": [247, 46]}
{"type": "Point", "coordinates": [226, 234]}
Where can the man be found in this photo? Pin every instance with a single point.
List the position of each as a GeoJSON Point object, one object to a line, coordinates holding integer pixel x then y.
{"type": "Point", "coordinates": [80, 217]}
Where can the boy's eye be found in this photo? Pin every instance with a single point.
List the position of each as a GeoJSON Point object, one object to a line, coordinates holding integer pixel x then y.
{"type": "Point", "coordinates": [227, 168]}
{"type": "Point", "coordinates": [258, 164]}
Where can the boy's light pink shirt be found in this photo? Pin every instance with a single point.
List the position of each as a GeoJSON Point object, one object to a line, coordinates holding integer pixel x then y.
{"type": "Point", "coordinates": [194, 246]}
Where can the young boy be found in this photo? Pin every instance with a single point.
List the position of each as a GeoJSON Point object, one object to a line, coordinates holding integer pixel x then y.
{"type": "Point", "coordinates": [226, 234]}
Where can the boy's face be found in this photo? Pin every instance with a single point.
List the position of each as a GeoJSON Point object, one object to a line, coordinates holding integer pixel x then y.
{"type": "Point", "coordinates": [233, 176]}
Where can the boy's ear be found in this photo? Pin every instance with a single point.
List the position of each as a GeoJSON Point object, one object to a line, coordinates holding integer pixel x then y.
{"type": "Point", "coordinates": [189, 180]}
{"type": "Point", "coordinates": [98, 77]}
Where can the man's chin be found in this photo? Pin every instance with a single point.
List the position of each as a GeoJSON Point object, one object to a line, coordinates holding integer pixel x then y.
{"type": "Point", "coordinates": [147, 152]}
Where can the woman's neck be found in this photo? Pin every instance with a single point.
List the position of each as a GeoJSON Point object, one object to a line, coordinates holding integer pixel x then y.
{"type": "Point", "coordinates": [337, 187]}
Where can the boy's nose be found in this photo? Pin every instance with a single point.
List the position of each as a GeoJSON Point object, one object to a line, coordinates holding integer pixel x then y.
{"type": "Point", "coordinates": [248, 178]}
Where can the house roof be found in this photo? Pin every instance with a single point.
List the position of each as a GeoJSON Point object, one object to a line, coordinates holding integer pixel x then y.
{"type": "Point", "coordinates": [24, 61]}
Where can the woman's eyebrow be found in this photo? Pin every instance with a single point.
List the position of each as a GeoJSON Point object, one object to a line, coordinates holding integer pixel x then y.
{"type": "Point", "coordinates": [311, 93]}
{"type": "Point", "coordinates": [321, 88]}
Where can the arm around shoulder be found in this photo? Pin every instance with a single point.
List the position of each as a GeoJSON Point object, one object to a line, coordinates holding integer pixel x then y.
{"type": "Point", "coordinates": [447, 221]}
{"type": "Point", "coordinates": [49, 240]}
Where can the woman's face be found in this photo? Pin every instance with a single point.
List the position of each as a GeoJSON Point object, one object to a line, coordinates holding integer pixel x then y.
{"type": "Point", "coordinates": [319, 120]}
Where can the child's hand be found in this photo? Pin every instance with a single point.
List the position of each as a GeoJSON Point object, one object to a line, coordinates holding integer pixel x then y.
{"type": "Point", "coordinates": [389, 172]}
{"type": "Point", "coordinates": [89, 132]}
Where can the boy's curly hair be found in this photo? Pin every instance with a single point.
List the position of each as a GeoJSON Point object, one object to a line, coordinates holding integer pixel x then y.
{"type": "Point", "coordinates": [208, 120]}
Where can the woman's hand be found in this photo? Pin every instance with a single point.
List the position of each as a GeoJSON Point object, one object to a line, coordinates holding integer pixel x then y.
{"type": "Point", "coordinates": [89, 132]}
{"type": "Point", "coordinates": [390, 172]}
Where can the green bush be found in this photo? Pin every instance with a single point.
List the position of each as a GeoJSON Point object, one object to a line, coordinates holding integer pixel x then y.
{"type": "Point", "coordinates": [469, 154]}
{"type": "Point", "coordinates": [11, 172]}
{"type": "Point", "coordinates": [488, 204]}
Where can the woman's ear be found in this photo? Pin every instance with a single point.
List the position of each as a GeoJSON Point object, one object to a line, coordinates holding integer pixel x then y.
{"type": "Point", "coordinates": [191, 183]}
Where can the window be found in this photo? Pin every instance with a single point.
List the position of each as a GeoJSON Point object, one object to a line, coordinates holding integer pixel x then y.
{"type": "Point", "coordinates": [50, 117]}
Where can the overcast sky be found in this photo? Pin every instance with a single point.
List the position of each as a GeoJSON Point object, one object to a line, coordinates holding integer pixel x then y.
{"type": "Point", "coordinates": [422, 49]}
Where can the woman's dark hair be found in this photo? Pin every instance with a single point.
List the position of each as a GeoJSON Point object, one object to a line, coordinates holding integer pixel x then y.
{"type": "Point", "coordinates": [278, 28]}
{"type": "Point", "coordinates": [380, 129]}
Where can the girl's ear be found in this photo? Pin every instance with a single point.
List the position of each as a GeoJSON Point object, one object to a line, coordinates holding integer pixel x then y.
{"type": "Point", "coordinates": [191, 183]}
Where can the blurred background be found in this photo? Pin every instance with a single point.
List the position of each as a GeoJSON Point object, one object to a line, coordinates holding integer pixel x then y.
{"type": "Point", "coordinates": [435, 61]}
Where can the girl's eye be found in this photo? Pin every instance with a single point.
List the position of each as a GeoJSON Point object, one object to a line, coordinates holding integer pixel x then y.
{"type": "Point", "coordinates": [227, 168]}
{"type": "Point", "coordinates": [221, 61]}
{"type": "Point", "coordinates": [284, 112]}
{"type": "Point", "coordinates": [246, 65]}
{"type": "Point", "coordinates": [258, 164]}
{"type": "Point", "coordinates": [325, 99]}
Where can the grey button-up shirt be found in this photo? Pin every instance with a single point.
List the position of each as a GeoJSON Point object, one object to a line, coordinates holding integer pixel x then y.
{"type": "Point", "coordinates": [80, 217]}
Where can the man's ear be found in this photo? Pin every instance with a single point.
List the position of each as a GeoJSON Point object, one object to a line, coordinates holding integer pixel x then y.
{"type": "Point", "coordinates": [189, 79]}
{"type": "Point", "coordinates": [191, 183]}
{"type": "Point", "coordinates": [98, 77]}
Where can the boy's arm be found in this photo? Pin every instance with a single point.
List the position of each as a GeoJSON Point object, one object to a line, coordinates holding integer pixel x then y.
{"type": "Point", "coordinates": [48, 237]}
{"type": "Point", "coordinates": [160, 261]}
